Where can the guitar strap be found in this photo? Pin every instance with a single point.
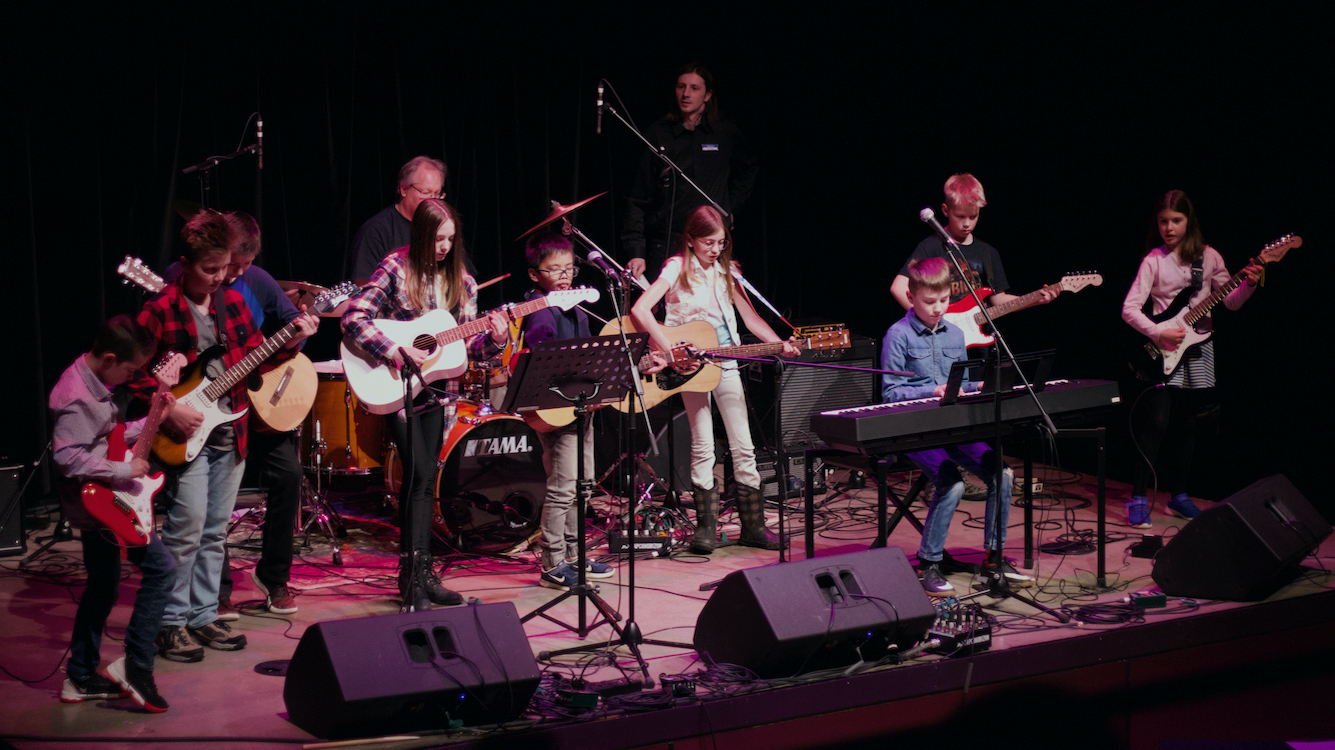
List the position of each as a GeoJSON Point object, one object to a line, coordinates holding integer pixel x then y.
{"type": "Point", "coordinates": [1198, 274]}
{"type": "Point", "coordinates": [218, 317]}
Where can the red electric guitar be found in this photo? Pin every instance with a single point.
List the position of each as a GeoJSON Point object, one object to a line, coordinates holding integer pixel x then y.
{"type": "Point", "coordinates": [128, 513]}
{"type": "Point", "coordinates": [969, 318]}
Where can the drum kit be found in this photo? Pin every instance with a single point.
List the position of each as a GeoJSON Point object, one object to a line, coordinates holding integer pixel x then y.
{"type": "Point", "coordinates": [490, 482]}
{"type": "Point", "coordinates": [490, 479]}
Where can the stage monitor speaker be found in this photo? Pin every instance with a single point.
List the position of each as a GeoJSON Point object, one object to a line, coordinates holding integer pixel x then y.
{"type": "Point", "coordinates": [810, 390]}
{"type": "Point", "coordinates": [418, 670]}
{"type": "Point", "coordinates": [1245, 548]}
{"type": "Point", "coordinates": [796, 617]}
{"type": "Point", "coordinates": [12, 541]}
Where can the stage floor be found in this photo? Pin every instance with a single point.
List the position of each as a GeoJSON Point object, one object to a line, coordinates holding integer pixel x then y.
{"type": "Point", "coordinates": [224, 700]}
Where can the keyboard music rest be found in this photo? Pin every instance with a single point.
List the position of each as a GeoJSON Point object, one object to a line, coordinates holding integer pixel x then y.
{"type": "Point", "coordinates": [884, 428]}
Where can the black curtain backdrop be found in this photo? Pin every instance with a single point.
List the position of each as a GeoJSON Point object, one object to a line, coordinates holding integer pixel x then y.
{"type": "Point", "coordinates": [1074, 122]}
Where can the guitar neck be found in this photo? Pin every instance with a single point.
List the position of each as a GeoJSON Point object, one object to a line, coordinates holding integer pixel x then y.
{"type": "Point", "coordinates": [1010, 306]}
{"type": "Point", "coordinates": [1202, 308]}
{"type": "Point", "coordinates": [474, 327]}
{"type": "Point", "coordinates": [756, 350]}
{"type": "Point", "coordinates": [156, 413]}
{"type": "Point", "coordinates": [258, 355]}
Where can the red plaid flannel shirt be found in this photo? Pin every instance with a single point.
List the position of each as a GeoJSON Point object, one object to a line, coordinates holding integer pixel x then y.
{"type": "Point", "coordinates": [168, 316]}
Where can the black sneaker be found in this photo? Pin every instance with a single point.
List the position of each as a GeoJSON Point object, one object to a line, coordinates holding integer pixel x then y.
{"type": "Point", "coordinates": [174, 644]}
{"type": "Point", "coordinates": [277, 598]}
{"type": "Point", "coordinates": [138, 682]}
{"type": "Point", "coordinates": [934, 583]}
{"type": "Point", "coordinates": [94, 687]}
{"type": "Point", "coordinates": [218, 635]}
{"type": "Point", "coordinates": [997, 563]}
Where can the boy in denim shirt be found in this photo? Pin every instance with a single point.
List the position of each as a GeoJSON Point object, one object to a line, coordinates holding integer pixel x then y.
{"type": "Point", "coordinates": [923, 343]}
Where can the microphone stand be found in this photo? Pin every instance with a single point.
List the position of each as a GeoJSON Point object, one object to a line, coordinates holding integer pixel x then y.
{"type": "Point", "coordinates": [658, 152]}
{"type": "Point", "coordinates": [998, 586]}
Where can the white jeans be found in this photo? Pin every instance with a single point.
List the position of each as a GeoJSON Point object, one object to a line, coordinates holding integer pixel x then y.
{"type": "Point", "coordinates": [732, 406]}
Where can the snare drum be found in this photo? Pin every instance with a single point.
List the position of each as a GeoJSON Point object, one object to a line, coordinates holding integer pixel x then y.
{"type": "Point", "coordinates": [491, 480]}
{"type": "Point", "coordinates": [335, 417]}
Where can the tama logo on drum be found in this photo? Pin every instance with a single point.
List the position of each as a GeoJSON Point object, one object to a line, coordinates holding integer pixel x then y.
{"type": "Point", "coordinates": [496, 446]}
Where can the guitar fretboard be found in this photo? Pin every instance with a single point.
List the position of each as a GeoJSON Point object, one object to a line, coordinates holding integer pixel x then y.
{"type": "Point", "coordinates": [1019, 303]}
{"type": "Point", "coordinates": [474, 327]}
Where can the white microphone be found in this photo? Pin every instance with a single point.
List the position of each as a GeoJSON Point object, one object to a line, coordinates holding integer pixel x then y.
{"type": "Point", "coordinates": [259, 138]}
{"type": "Point", "coordinates": [598, 128]}
{"type": "Point", "coordinates": [929, 216]}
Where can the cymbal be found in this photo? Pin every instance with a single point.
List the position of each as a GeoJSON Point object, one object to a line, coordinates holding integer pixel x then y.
{"type": "Point", "coordinates": [308, 293]}
{"type": "Point", "coordinates": [302, 286]}
{"type": "Point", "coordinates": [558, 211]}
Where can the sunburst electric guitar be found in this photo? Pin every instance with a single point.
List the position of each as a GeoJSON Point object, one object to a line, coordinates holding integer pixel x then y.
{"type": "Point", "coordinates": [966, 315]}
{"type": "Point", "coordinates": [280, 396]}
{"type": "Point", "coordinates": [202, 394]}
{"type": "Point", "coordinates": [1155, 361]}
{"type": "Point", "coordinates": [128, 512]}
{"type": "Point", "coordinates": [379, 387]}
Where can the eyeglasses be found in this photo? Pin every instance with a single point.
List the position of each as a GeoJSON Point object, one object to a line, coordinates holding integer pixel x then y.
{"type": "Point", "coordinates": [711, 244]}
{"type": "Point", "coordinates": [426, 194]}
{"type": "Point", "coordinates": [556, 273]}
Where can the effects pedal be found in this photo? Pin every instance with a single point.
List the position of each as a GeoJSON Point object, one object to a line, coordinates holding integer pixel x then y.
{"type": "Point", "coordinates": [961, 630]}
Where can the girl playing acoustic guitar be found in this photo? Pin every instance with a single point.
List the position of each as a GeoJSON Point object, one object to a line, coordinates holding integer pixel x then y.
{"type": "Point", "coordinates": [698, 285]}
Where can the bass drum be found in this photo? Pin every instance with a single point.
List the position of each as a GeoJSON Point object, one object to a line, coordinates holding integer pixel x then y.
{"type": "Point", "coordinates": [491, 481]}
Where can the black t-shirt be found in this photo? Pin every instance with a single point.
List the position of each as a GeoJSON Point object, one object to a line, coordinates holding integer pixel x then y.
{"type": "Point", "coordinates": [984, 266]}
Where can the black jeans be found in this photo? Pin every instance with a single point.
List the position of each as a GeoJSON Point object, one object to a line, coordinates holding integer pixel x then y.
{"type": "Point", "coordinates": [280, 474]}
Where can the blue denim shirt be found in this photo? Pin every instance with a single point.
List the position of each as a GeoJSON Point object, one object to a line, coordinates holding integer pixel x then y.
{"type": "Point", "coordinates": [909, 345]}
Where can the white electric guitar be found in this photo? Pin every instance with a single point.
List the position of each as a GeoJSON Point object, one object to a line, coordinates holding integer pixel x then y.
{"type": "Point", "coordinates": [200, 393]}
{"type": "Point", "coordinates": [379, 387]}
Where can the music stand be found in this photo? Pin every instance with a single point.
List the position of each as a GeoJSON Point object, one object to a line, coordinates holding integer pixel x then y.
{"type": "Point", "coordinates": [554, 375]}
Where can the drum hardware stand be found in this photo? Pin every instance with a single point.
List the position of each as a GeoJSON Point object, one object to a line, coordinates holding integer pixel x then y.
{"type": "Point", "coordinates": [315, 508]}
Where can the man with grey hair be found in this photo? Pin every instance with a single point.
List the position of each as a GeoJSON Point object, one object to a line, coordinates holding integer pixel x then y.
{"type": "Point", "coordinates": [421, 178]}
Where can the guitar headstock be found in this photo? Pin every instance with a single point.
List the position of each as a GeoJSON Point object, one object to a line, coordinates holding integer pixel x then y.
{"type": "Point", "coordinates": [168, 371]}
{"type": "Point", "coordinates": [1276, 250]}
{"type": "Point", "coordinates": [333, 297]}
{"type": "Point", "coordinates": [1076, 282]}
{"type": "Point", "coordinates": [568, 298]}
{"type": "Point", "coordinates": [828, 339]}
{"type": "Point", "coordinates": [133, 269]}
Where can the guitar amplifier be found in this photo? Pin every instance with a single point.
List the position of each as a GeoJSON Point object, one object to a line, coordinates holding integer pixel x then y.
{"type": "Point", "coordinates": [12, 541]}
{"type": "Point", "coordinates": [807, 391]}
{"type": "Point", "coordinates": [797, 462]}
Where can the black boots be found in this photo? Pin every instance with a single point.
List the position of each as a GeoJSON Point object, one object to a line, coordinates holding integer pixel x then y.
{"type": "Point", "coordinates": [706, 520]}
{"type": "Point", "coordinates": [422, 590]}
{"type": "Point", "coordinates": [751, 509]}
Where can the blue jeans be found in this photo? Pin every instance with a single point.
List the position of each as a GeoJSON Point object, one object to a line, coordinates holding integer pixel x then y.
{"type": "Point", "coordinates": [196, 531]}
{"type": "Point", "coordinates": [942, 466]}
{"type": "Point", "coordinates": [102, 559]}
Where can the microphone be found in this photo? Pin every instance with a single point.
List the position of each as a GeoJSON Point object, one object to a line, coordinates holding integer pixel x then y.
{"type": "Point", "coordinates": [598, 128]}
{"type": "Point", "coordinates": [259, 138]}
{"type": "Point", "coordinates": [604, 263]}
{"type": "Point", "coordinates": [929, 216]}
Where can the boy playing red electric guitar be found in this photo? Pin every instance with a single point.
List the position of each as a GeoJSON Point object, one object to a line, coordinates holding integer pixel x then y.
{"type": "Point", "coordinates": [85, 418]}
